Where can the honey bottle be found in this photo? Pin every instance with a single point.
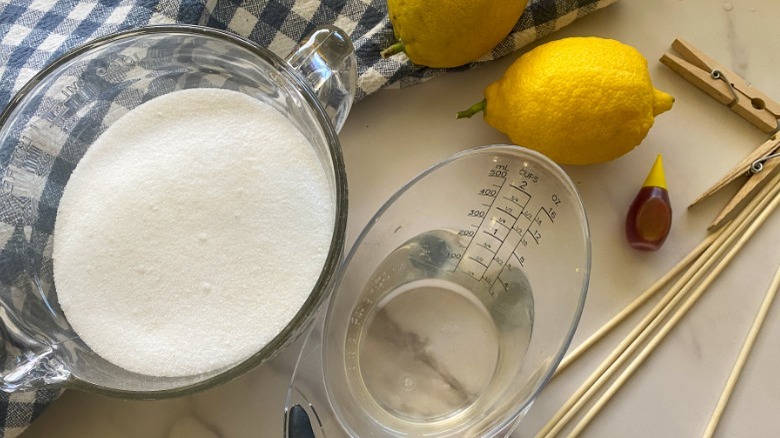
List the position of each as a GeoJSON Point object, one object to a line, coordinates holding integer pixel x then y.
{"type": "Point", "coordinates": [649, 217]}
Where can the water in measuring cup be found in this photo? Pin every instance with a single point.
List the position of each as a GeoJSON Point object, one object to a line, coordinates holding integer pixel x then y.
{"type": "Point", "coordinates": [429, 344]}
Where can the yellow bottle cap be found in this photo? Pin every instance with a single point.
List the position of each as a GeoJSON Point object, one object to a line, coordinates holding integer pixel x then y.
{"type": "Point", "coordinates": [656, 177]}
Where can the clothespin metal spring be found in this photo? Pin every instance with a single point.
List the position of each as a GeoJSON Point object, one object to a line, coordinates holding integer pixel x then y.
{"type": "Point", "coordinates": [758, 165]}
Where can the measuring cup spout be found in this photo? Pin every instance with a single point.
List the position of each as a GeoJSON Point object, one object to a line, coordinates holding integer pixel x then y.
{"type": "Point", "coordinates": [35, 365]}
{"type": "Point", "coordinates": [326, 60]}
{"type": "Point", "coordinates": [34, 371]}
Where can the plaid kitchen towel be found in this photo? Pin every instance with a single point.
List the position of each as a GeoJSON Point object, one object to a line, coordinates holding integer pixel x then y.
{"type": "Point", "coordinates": [279, 24]}
{"type": "Point", "coordinates": [35, 32]}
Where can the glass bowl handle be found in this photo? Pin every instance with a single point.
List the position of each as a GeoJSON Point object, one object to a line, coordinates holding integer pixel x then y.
{"type": "Point", "coordinates": [326, 61]}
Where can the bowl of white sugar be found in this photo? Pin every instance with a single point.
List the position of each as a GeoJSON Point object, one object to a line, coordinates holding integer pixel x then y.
{"type": "Point", "coordinates": [173, 208]}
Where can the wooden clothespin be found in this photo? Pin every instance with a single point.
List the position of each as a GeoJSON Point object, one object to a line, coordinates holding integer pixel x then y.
{"type": "Point", "coordinates": [757, 168]}
{"type": "Point", "coordinates": [730, 89]}
{"type": "Point", "coordinates": [724, 85]}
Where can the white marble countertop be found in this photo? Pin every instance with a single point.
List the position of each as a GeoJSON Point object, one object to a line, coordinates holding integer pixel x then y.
{"type": "Point", "coordinates": [393, 135]}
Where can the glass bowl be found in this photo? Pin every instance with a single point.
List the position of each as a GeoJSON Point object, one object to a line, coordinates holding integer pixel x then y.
{"type": "Point", "coordinates": [53, 120]}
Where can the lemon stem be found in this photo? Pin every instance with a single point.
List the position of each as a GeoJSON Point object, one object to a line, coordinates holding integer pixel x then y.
{"type": "Point", "coordinates": [398, 47]}
{"type": "Point", "coordinates": [473, 109]}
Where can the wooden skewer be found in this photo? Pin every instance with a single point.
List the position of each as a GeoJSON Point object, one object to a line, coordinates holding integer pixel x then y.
{"type": "Point", "coordinates": [634, 339]}
{"type": "Point", "coordinates": [672, 322]}
{"type": "Point", "coordinates": [743, 355]}
{"type": "Point", "coordinates": [638, 302]}
{"type": "Point", "coordinates": [642, 331]}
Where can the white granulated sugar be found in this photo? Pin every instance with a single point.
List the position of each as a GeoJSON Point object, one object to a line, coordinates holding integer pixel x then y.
{"type": "Point", "coordinates": [191, 232]}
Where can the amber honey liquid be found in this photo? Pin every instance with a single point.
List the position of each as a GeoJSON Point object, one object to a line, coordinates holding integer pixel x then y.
{"type": "Point", "coordinates": [649, 218]}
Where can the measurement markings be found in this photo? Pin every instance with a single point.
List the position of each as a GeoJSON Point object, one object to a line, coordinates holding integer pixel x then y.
{"type": "Point", "coordinates": [493, 236]}
{"type": "Point", "coordinates": [500, 222]}
{"type": "Point", "coordinates": [536, 235]}
{"type": "Point", "coordinates": [473, 275]}
{"type": "Point", "coordinates": [479, 260]}
{"type": "Point", "coordinates": [550, 213]}
{"type": "Point", "coordinates": [478, 226]}
{"type": "Point", "coordinates": [503, 284]}
{"type": "Point", "coordinates": [471, 241]}
{"type": "Point", "coordinates": [508, 213]}
{"type": "Point", "coordinates": [486, 247]}
{"type": "Point", "coordinates": [474, 234]}
{"type": "Point", "coordinates": [518, 188]}
{"type": "Point", "coordinates": [514, 200]}
{"type": "Point", "coordinates": [493, 286]}
{"type": "Point", "coordinates": [520, 260]}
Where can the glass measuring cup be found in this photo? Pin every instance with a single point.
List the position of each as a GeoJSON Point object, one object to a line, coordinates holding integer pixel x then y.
{"type": "Point", "coordinates": [454, 306]}
{"type": "Point", "coordinates": [53, 120]}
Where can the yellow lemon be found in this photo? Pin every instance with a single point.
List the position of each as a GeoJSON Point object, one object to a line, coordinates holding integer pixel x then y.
{"type": "Point", "coordinates": [578, 100]}
{"type": "Point", "coordinates": [450, 33]}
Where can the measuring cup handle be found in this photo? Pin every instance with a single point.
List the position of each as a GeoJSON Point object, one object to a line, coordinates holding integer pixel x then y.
{"type": "Point", "coordinates": [326, 60]}
{"type": "Point", "coordinates": [34, 365]}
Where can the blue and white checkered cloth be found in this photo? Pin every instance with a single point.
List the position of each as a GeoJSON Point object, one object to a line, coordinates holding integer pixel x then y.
{"type": "Point", "coordinates": [35, 32]}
